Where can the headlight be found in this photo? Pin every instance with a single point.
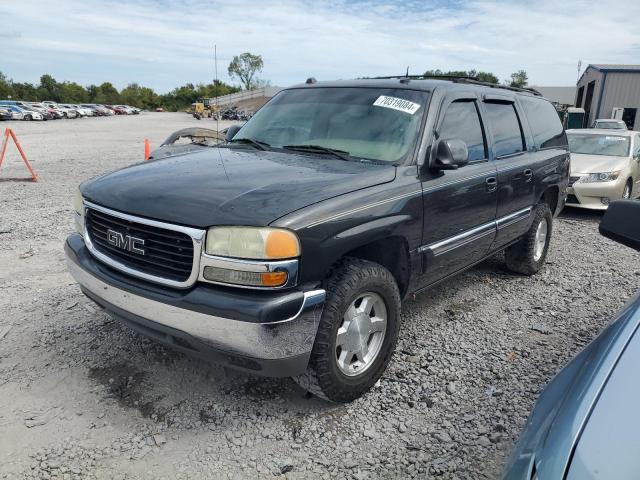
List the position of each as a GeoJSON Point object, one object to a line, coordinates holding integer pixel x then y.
{"type": "Point", "coordinates": [78, 206]}
{"type": "Point", "coordinates": [600, 177]}
{"type": "Point", "coordinates": [252, 243]}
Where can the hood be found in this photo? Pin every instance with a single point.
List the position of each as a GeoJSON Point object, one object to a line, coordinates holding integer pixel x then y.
{"type": "Point", "coordinates": [582, 163]}
{"type": "Point", "coordinates": [608, 443]}
{"type": "Point", "coordinates": [224, 186]}
{"type": "Point", "coordinates": [564, 406]}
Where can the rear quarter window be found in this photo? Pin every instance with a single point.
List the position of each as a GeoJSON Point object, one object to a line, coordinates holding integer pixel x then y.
{"type": "Point", "coordinates": [544, 121]}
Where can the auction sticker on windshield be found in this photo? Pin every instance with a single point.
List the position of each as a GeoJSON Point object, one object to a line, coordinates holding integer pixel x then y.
{"type": "Point", "coordinates": [397, 104]}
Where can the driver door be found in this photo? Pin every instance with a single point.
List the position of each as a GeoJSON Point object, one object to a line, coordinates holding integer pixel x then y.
{"type": "Point", "coordinates": [459, 205]}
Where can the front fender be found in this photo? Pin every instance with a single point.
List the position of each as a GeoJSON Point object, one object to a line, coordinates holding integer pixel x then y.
{"type": "Point", "coordinates": [331, 229]}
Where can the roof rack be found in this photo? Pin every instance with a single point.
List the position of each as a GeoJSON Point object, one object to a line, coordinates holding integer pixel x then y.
{"type": "Point", "coordinates": [459, 79]}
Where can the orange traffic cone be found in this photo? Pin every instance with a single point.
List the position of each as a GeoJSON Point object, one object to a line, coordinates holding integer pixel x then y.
{"type": "Point", "coordinates": [147, 149]}
{"type": "Point", "coordinates": [9, 133]}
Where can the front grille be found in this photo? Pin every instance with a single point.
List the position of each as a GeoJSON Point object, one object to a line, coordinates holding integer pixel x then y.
{"type": "Point", "coordinates": [572, 199]}
{"type": "Point", "coordinates": [573, 180]}
{"type": "Point", "coordinates": [167, 253]}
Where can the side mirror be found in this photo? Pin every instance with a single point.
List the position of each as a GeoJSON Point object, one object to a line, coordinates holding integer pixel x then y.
{"type": "Point", "coordinates": [450, 153]}
{"type": "Point", "coordinates": [621, 223]}
{"type": "Point", "coordinates": [231, 132]}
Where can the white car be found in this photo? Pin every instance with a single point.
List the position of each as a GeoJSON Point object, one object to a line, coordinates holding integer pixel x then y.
{"type": "Point", "coordinates": [609, 124]}
{"type": "Point", "coordinates": [19, 113]}
{"type": "Point", "coordinates": [82, 111]}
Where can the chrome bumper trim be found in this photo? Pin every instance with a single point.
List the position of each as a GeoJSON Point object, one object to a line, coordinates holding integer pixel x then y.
{"type": "Point", "coordinates": [197, 237]}
{"type": "Point", "coordinates": [270, 341]}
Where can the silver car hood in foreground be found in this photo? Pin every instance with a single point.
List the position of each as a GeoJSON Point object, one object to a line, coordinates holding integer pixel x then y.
{"type": "Point", "coordinates": [560, 421]}
{"type": "Point", "coordinates": [609, 446]}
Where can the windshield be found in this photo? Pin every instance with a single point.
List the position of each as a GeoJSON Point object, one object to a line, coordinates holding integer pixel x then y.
{"type": "Point", "coordinates": [612, 145]}
{"type": "Point", "coordinates": [611, 125]}
{"type": "Point", "coordinates": [369, 123]}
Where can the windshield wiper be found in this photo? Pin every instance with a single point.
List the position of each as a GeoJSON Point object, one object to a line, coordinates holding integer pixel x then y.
{"type": "Point", "coordinates": [341, 154]}
{"type": "Point", "coordinates": [250, 141]}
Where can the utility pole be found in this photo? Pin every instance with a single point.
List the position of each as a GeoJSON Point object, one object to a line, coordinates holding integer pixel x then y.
{"type": "Point", "coordinates": [216, 86]}
{"type": "Point", "coordinates": [579, 68]}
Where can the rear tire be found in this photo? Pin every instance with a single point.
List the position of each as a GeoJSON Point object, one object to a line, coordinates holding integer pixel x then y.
{"type": "Point", "coordinates": [529, 254]}
{"type": "Point", "coordinates": [28, 118]}
{"type": "Point", "coordinates": [337, 370]}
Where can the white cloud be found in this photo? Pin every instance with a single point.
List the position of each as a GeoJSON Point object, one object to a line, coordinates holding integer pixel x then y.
{"type": "Point", "coordinates": [165, 43]}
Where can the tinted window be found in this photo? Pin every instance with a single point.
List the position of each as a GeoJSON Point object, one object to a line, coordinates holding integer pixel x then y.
{"type": "Point", "coordinates": [463, 122]}
{"type": "Point", "coordinates": [544, 122]}
{"type": "Point", "coordinates": [505, 125]}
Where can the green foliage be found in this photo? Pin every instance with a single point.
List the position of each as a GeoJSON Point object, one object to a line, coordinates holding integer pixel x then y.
{"type": "Point", "coordinates": [244, 67]}
{"type": "Point", "coordinates": [482, 76]}
{"type": "Point", "coordinates": [133, 94]}
{"type": "Point", "coordinates": [519, 79]}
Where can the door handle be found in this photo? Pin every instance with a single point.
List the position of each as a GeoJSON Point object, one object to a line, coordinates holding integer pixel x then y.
{"type": "Point", "coordinates": [492, 184]}
{"type": "Point", "coordinates": [528, 175]}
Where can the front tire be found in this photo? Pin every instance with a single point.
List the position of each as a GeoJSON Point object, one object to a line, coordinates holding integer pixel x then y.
{"type": "Point", "coordinates": [357, 333]}
{"type": "Point", "coordinates": [529, 254]}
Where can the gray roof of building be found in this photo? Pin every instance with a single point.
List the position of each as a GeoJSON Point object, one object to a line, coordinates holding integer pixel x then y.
{"type": "Point", "coordinates": [615, 66]}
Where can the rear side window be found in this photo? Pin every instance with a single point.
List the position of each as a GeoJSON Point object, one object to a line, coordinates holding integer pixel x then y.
{"type": "Point", "coordinates": [462, 121]}
{"type": "Point", "coordinates": [505, 125]}
{"type": "Point", "coordinates": [544, 122]}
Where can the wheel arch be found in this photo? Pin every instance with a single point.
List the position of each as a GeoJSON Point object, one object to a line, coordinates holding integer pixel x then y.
{"type": "Point", "coordinates": [551, 196]}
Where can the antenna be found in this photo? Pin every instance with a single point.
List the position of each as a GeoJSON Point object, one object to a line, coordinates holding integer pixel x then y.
{"type": "Point", "coordinates": [216, 86]}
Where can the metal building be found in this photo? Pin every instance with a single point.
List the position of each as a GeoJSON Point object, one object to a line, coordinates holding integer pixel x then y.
{"type": "Point", "coordinates": [559, 95]}
{"type": "Point", "coordinates": [610, 91]}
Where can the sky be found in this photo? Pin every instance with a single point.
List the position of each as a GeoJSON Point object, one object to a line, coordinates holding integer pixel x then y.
{"type": "Point", "coordinates": [166, 43]}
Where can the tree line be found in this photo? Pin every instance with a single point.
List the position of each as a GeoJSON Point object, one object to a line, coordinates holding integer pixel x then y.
{"type": "Point", "coordinates": [133, 94]}
{"type": "Point", "coordinates": [517, 79]}
{"type": "Point", "coordinates": [243, 67]}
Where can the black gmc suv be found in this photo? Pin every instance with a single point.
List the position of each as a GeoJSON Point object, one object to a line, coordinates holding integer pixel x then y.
{"type": "Point", "coordinates": [286, 250]}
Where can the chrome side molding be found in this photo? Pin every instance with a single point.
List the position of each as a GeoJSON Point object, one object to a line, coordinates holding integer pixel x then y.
{"type": "Point", "coordinates": [443, 246]}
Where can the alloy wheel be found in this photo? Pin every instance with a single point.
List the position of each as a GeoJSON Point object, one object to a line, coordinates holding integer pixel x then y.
{"type": "Point", "coordinates": [540, 241]}
{"type": "Point", "coordinates": [360, 338]}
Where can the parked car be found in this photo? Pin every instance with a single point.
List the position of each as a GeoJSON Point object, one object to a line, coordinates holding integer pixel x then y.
{"type": "Point", "coordinates": [82, 111]}
{"type": "Point", "coordinates": [187, 140]}
{"type": "Point", "coordinates": [66, 112]}
{"type": "Point", "coordinates": [286, 251]}
{"type": "Point", "coordinates": [94, 110]}
{"type": "Point", "coordinates": [609, 124]}
{"type": "Point", "coordinates": [605, 166]}
{"type": "Point", "coordinates": [115, 109]}
{"type": "Point", "coordinates": [42, 111]}
{"type": "Point", "coordinates": [585, 423]}
{"type": "Point", "coordinates": [19, 113]}
{"type": "Point", "coordinates": [128, 110]}
{"type": "Point", "coordinates": [5, 113]}
{"type": "Point", "coordinates": [99, 110]}
{"type": "Point", "coordinates": [53, 113]}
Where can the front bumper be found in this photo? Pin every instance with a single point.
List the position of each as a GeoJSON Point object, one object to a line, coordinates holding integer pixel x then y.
{"type": "Point", "coordinates": [589, 195]}
{"type": "Point", "coordinates": [270, 334]}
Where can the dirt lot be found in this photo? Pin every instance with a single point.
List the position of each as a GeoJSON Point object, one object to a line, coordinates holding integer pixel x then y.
{"type": "Point", "coordinates": [83, 397]}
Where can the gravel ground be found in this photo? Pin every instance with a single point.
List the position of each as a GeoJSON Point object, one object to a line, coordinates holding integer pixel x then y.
{"type": "Point", "coordinates": [81, 396]}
